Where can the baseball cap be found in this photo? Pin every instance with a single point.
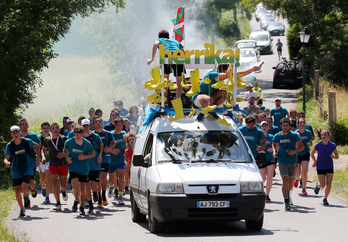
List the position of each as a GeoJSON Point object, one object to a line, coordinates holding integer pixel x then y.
{"type": "Point", "coordinates": [249, 85]}
{"type": "Point", "coordinates": [14, 128]}
{"type": "Point", "coordinates": [277, 99]}
{"type": "Point", "coordinates": [263, 122]}
{"type": "Point", "coordinates": [70, 120]}
{"type": "Point", "coordinates": [85, 121]}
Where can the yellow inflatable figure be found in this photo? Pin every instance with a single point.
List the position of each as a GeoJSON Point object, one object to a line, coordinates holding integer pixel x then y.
{"type": "Point", "coordinates": [183, 81]}
{"type": "Point", "coordinates": [179, 110]}
{"type": "Point", "coordinates": [194, 82]}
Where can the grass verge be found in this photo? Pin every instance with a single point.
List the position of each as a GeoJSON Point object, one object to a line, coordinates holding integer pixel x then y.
{"type": "Point", "coordinates": [314, 117]}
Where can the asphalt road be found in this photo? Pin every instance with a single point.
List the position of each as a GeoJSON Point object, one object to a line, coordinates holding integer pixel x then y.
{"type": "Point", "coordinates": [309, 220]}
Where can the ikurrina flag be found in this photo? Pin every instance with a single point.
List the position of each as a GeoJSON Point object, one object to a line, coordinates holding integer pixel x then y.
{"type": "Point", "coordinates": [178, 31]}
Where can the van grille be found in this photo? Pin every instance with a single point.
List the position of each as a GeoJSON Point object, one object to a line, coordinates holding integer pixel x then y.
{"type": "Point", "coordinates": [212, 212]}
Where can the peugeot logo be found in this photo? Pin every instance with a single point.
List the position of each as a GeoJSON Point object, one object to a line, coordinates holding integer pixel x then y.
{"type": "Point", "coordinates": [213, 189]}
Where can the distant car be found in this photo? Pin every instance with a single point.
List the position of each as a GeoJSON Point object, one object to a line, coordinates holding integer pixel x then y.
{"type": "Point", "coordinates": [276, 28]}
{"type": "Point", "coordinates": [258, 14]}
{"type": "Point", "coordinates": [263, 39]}
{"type": "Point", "coordinates": [264, 23]}
{"type": "Point", "coordinates": [266, 15]}
{"type": "Point", "coordinates": [288, 73]}
{"type": "Point", "coordinates": [249, 52]}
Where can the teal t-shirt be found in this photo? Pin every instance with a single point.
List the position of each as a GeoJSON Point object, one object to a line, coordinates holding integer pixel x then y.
{"type": "Point", "coordinates": [269, 141]}
{"type": "Point", "coordinates": [170, 44]}
{"type": "Point", "coordinates": [79, 166]}
{"type": "Point", "coordinates": [278, 114]}
{"type": "Point", "coordinates": [286, 142]}
{"type": "Point", "coordinates": [21, 164]}
{"type": "Point", "coordinates": [106, 137]}
{"type": "Point", "coordinates": [36, 139]}
{"type": "Point", "coordinates": [206, 88]}
{"type": "Point", "coordinates": [118, 159]}
{"type": "Point", "coordinates": [253, 138]}
{"type": "Point", "coordinates": [306, 136]}
{"type": "Point", "coordinates": [93, 162]}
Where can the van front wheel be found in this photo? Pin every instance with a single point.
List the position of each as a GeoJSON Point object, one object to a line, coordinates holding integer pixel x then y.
{"type": "Point", "coordinates": [137, 216]}
{"type": "Point", "coordinates": [254, 225]}
{"type": "Point", "coordinates": [154, 226]}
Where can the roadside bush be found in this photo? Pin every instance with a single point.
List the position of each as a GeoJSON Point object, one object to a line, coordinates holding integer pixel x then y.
{"type": "Point", "coordinates": [341, 136]}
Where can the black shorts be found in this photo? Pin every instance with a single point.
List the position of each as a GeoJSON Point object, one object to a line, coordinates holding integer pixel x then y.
{"type": "Point", "coordinates": [32, 177]}
{"type": "Point", "coordinates": [19, 181]}
{"type": "Point", "coordinates": [82, 178]}
{"type": "Point", "coordinates": [267, 164]}
{"type": "Point", "coordinates": [177, 69]}
{"type": "Point", "coordinates": [105, 167]}
{"type": "Point", "coordinates": [324, 172]}
{"type": "Point", "coordinates": [304, 157]}
{"type": "Point", "coordinates": [94, 176]}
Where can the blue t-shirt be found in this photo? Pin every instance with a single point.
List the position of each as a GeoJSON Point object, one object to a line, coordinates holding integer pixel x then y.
{"type": "Point", "coordinates": [269, 141]}
{"type": "Point", "coordinates": [123, 112]}
{"type": "Point", "coordinates": [93, 162]}
{"type": "Point", "coordinates": [21, 164]}
{"type": "Point", "coordinates": [70, 134]}
{"type": "Point", "coordinates": [170, 44]}
{"type": "Point", "coordinates": [66, 132]}
{"type": "Point", "coordinates": [306, 136]}
{"type": "Point", "coordinates": [274, 130]}
{"type": "Point", "coordinates": [307, 126]}
{"type": "Point", "coordinates": [206, 88]}
{"type": "Point", "coordinates": [253, 138]}
{"type": "Point", "coordinates": [324, 159]}
{"type": "Point", "coordinates": [278, 114]}
{"type": "Point", "coordinates": [286, 142]}
{"type": "Point", "coordinates": [279, 45]}
{"type": "Point", "coordinates": [79, 166]}
{"type": "Point", "coordinates": [106, 137]}
{"type": "Point", "coordinates": [36, 139]}
{"type": "Point", "coordinates": [118, 159]}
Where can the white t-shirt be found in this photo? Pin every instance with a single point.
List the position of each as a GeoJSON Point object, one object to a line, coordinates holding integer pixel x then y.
{"type": "Point", "coordinates": [251, 94]}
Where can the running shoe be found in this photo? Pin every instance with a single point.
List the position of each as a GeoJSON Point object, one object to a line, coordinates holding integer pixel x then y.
{"type": "Point", "coordinates": [126, 190]}
{"type": "Point", "coordinates": [120, 201]}
{"type": "Point", "coordinates": [268, 199]}
{"type": "Point", "coordinates": [325, 202]}
{"type": "Point", "coordinates": [27, 201]}
{"type": "Point", "coordinates": [43, 192]}
{"type": "Point", "coordinates": [82, 211]}
{"type": "Point", "coordinates": [317, 188]}
{"type": "Point", "coordinates": [100, 204]}
{"type": "Point", "coordinates": [22, 212]}
{"type": "Point", "coordinates": [33, 193]}
{"type": "Point", "coordinates": [304, 192]}
{"type": "Point", "coordinates": [57, 207]}
{"type": "Point", "coordinates": [65, 196]}
{"type": "Point", "coordinates": [47, 200]}
{"type": "Point", "coordinates": [111, 190]}
{"type": "Point", "coordinates": [91, 210]}
{"type": "Point", "coordinates": [95, 197]}
{"type": "Point", "coordinates": [86, 204]}
{"type": "Point", "coordinates": [274, 173]}
{"type": "Point", "coordinates": [116, 193]}
{"type": "Point", "coordinates": [300, 182]}
{"type": "Point", "coordinates": [287, 206]}
{"type": "Point", "coordinates": [105, 201]}
{"type": "Point", "coordinates": [295, 183]}
{"type": "Point", "coordinates": [74, 207]}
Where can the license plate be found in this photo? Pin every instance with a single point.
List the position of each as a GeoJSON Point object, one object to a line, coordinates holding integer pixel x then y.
{"type": "Point", "coordinates": [213, 204]}
{"type": "Point", "coordinates": [275, 31]}
{"type": "Point", "coordinates": [289, 80]}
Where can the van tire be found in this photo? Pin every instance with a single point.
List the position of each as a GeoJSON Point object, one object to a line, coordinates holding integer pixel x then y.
{"type": "Point", "coordinates": [254, 225]}
{"type": "Point", "coordinates": [155, 227]}
{"type": "Point", "coordinates": [137, 216]}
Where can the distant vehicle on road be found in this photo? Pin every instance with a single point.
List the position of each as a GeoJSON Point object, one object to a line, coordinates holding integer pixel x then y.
{"type": "Point", "coordinates": [249, 52]}
{"type": "Point", "coordinates": [264, 23]}
{"type": "Point", "coordinates": [276, 28]}
{"type": "Point", "coordinates": [288, 72]}
{"type": "Point", "coordinates": [263, 39]}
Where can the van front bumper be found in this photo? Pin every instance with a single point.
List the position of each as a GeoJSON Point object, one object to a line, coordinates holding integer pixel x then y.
{"type": "Point", "coordinates": [179, 207]}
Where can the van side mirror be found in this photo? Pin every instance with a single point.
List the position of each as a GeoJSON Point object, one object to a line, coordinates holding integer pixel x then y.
{"type": "Point", "coordinates": [273, 67]}
{"type": "Point", "coordinates": [138, 160]}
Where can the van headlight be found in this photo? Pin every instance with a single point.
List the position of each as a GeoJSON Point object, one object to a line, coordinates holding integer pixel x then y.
{"type": "Point", "coordinates": [251, 187]}
{"type": "Point", "coordinates": [170, 188]}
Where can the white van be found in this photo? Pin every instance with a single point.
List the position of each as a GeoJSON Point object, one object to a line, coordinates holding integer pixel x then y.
{"type": "Point", "coordinates": [186, 170]}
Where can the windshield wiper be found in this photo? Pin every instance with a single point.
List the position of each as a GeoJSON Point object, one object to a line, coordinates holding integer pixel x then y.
{"type": "Point", "coordinates": [211, 161]}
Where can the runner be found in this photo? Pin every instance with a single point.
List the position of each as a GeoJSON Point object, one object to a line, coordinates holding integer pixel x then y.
{"type": "Point", "coordinates": [70, 128]}
{"type": "Point", "coordinates": [267, 111]}
{"type": "Point", "coordinates": [43, 169]}
{"type": "Point", "coordinates": [77, 151]}
{"type": "Point", "coordinates": [21, 165]}
{"type": "Point", "coordinates": [279, 46]}
{"type": "Point", "coordinates": [121, 110]}
{"type": "Point", "coordinates": [94, 163]}
{"type": "Point", "coordinates": [278, 112]}
{"type": "Point", "coordinates": [117, 162]}
{"type": "Point", "coordinates": [72, 133]}
{"type": "Point", "coordinates": [133, 115]}
{"type": "Point", "coordinates": [127, 126]}
{"type": "Point", "coordinates": [273, 129]}
{"type": "Point", "coordinates": [23, 125]}
{"type": "Point", "coordinates": [324, 163]}
{"type": "Point", "coordinates": [58, 166]}
{"type": "Point", "coordinates": [109, 143]}
{"type": "Point", "coordinates": [303, 156]}
{"type": "Point", "coordinates": [99, 113]}
{"type": "Point", "coordinates": [267, 170]}
{"type": "Point", "coordinates": [109, 126]}
{"type": "Point", "coordinates": [285, 146]}
{"type": "Point", "coordinates": [65, 125]}
{"type": "Point", "coordinates": [128, 154]}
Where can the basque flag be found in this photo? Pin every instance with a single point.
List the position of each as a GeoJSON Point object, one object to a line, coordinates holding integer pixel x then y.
{"type": "Point", "coordinates": [178, 31]}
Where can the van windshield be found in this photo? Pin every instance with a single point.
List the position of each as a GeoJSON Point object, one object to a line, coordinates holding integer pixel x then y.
{"type": "Point", "coordinates": [201, 146]}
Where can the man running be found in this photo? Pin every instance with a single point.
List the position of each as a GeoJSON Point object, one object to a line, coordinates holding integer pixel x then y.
{"type": "Point", "coordinates": [43, 168]}
{"type": "Point", "coordinates": [94, 163]}
{"type": "Point", "coordinates": [77, 151]}
{"type": "Point", "coordinates": [286, 144]}
{"type": "Point", "coordinates": [278, 112]}
{"type": "Point", "coordinates": [58, 166]}
{"type": "Point", "coordinates": [21, 165]}
{"type": "Point", "coordinates": [109, 143]}
{"type": "Point", "coordinates": [23, 125]}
